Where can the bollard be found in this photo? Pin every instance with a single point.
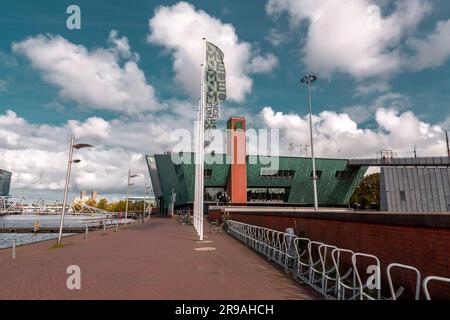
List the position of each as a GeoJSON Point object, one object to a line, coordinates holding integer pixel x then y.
{"type": "Point", "coordinates": [14, 249]}
{"type": "Point", "coordinates": [104, 227]}
{"type": "Point", "coordinates": [86, 233]}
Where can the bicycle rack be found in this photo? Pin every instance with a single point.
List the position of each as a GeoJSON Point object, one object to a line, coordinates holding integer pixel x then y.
{"type": "Point", "coordinates": [315, 265]}
{"type": "Point", "coordinates": [396, 295]}
{"type": "Point", "coordinates": [325, 252]}
{"type": "Point", "coordinates": [432, 278]}
{"type": "Point", "coordinates": [362, 293]}
{"type": "Point", "coordinates": [344, 278]}
{"type": "Point", "coordinates": [303, 260]}
{"type": "Point", "coordinates": [309, 262]}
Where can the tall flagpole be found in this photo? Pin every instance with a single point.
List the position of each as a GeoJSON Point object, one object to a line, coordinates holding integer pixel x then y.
{"type": "Point", "coordinates": [197, 172]}
{"type": "Point", "coordinates": [196, 153]}
{"type": "Point", "coordinates": [202, 142]}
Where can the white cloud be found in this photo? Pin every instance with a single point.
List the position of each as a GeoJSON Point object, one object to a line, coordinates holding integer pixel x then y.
{"type": "Point", "coordinates": [180, 29]}
{"type": "Point", "coordinates": [93, 127]}
{"type": "Point", "coordinates": [371, 87]}
{"type": "Point", "coordinates": [348, 37]}
{"type": "Point", "coordinates": [434, 50]}
{"type": "Point", "coordinates": [37, 153]}
{"type": "Point", "coordinates": [276, 37]}
{"type": "Point", "coordinates": [362, 113]}
{"type": "Point", "coordinates": [103, 78]}
{"type": "Point", "coordinates": [3, 85]}
{"type": "Point", "coordinates": [261, 64]}
{"type": "Point", "coordinates": [337, 135]}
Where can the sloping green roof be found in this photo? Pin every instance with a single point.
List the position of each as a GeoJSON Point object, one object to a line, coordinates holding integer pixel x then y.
{"type": "Point", "coordinates": [331, 190]}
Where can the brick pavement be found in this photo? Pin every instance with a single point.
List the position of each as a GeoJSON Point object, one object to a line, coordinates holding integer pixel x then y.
{"type": "Point", "coordinates": [155, 260]}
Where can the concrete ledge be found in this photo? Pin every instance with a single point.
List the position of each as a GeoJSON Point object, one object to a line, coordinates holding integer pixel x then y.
{"type": "Point", "coordinates": [430, 220]}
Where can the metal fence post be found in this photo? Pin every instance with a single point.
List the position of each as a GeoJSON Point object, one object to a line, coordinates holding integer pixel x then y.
{"type": "Point", "coordinates": [14, 249]}
{"type": "Point", "coordinates": [86, 233]}
{"type": "Point", "coordinates": [290, 250]}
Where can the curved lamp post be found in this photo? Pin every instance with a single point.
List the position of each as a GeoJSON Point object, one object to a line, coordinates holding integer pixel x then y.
{"type": "Point", "coordinates": [128, 193]}
{"type": "Point", "coordinates": [309, 79]}
{"type": "Point", "coordinates": [66, 188]}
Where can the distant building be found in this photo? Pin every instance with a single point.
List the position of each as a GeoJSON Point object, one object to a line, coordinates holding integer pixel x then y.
{"type": "Point", "coordinates": [5, 182]}
{"type": "Point", "coordinates": [415, 189]}
{"type": "Point", "coordinates": [84, 197]}
{"type": "Point", "coordinates": [413, 184]}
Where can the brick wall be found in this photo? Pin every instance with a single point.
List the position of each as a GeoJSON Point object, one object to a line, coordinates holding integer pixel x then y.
{"type": "Point", "coordinates": [426, 248]}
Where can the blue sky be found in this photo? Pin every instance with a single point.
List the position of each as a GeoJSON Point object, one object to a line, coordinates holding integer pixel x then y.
{"type": "Point", "coordinates": [379, 87]}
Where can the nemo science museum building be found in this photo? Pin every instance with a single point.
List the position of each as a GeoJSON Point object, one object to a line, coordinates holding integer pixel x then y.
{"type": "Point", "coordinates": [251, 181]}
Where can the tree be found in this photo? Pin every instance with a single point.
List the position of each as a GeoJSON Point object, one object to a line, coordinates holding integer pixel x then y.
{"type": "Point", "coordinates": [102, 204]}
{"type": "Point", "coordinates": [367, 194]}
{"type": "Point", "coordinates": [91, 203]}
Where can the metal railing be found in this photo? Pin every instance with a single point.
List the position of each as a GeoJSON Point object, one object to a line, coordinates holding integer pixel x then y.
{"type": "Point", "coordinates": [334, 272]}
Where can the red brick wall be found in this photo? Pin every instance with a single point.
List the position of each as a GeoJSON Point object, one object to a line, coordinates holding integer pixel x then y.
{"type": "Point", "coordinates": [427, 249]}
{"type": "Point", "coordinates": [237, 184]}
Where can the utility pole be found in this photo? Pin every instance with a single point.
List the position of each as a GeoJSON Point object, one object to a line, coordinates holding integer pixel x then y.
{"type": "Point", "coordinates": [128, 193]}
{"type": "Point", "coordinates": [66, 186]}
{"type": "Point", "coordinates": [448, 145]}
{"type": "Point", "coordinates": [309, 79]}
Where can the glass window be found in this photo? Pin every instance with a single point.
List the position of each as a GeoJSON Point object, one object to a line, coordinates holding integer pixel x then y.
{"type": "Point", "coordinates": [318, 174]}
{"type": "Point", "coordinates": [402, 195]}
{"type": "Point", "coordinates": [283, 174]}
{"type": "Point", "coordinates": [212, 194]}
{"type": "Point", "coordinates": [268, 194]}
{"type": "Point", "coordinates": [208, 173]}
{"type": "Point", "coordinates": [344, 175]}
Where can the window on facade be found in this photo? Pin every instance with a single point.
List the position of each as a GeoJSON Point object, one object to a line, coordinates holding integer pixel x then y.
{"type": "Point", "coordinates": [268, 194]}
{"type": "Point", "coordinates": [212, 194]}
{"type": "Point", "coordinates": [344, 175]}
{"type": "Point", "coordinates": [283, 174]}
{"type": "Point", "coordinates": [208, 173]}
{"type": "Point", "coordinates": [318, 174]}
{"type": "Point", "coordinates": [402, 195]}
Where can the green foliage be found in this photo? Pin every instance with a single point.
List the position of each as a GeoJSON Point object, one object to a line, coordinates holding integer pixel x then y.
{"type": "Point", "coordinates": [367, 194]}
{"type": "Point", "coordinates": [119, 206]}
{"type": "Point", "coordinates": [91, 202]}
{"type": "Point", "coordinates": [102, 204]}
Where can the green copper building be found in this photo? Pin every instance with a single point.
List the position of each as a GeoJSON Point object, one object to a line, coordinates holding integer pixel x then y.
{"type": "Point", "coordinates": [250, 179]}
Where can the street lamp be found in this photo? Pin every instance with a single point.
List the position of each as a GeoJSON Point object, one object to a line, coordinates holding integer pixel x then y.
{"type": "Point", "coordinates": [309, 79]}
{"type": "Point", "coordinates": [66, 187]}
{"type": "Point", "coordinates": [128, 193]}
{"type": "Point", "coordinates": [146, 195]}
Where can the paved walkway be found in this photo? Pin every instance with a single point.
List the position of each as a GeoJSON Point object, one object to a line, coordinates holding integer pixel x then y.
{"type": "Point", "coordinates": [155, 260]}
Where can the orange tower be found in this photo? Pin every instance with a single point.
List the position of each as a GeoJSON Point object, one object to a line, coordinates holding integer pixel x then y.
{"type": "Point", "coordinates": [237, 181]}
